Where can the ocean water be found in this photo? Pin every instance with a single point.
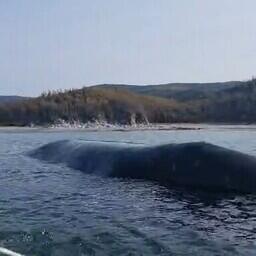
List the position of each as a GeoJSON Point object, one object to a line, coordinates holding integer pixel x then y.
{"type": "Point", "coordinates": [49, 209]}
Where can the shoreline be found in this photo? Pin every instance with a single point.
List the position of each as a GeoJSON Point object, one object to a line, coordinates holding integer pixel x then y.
{"type": "Point", "coordinates": [128, 128]}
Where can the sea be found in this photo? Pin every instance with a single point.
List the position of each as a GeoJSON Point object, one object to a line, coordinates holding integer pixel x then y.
{"type": "Point", "coordinates": [50, 209]}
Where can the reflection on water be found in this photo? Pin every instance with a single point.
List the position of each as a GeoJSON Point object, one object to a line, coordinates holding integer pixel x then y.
{"type": "Point", "coordinates": [52, 210]}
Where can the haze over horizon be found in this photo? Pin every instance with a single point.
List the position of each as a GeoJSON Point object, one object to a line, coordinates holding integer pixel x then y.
{"type": "Point", "coordinates": [49, 45]}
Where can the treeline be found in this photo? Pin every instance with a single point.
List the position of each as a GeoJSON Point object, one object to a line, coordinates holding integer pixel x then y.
{"type": "Point", "coordinates": [89, 104]}
{"type": "Point", "coordinates": [233, 105]}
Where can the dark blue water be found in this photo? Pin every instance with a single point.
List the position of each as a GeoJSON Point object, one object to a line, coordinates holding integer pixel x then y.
{"type": "Point", "coordinates": [50, 209]}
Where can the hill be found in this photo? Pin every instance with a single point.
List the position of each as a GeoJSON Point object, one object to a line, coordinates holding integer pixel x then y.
{"type": "Point", "coordinates": [90, 104]}
{"type": "Point", "coordinates": [177, 91]}
{"type": "Point", "coordinates": [234, 105]}
{"type": "Point", "coordinates": [6, 99]}
{"type": "Point", "coordinates": [232, 102]}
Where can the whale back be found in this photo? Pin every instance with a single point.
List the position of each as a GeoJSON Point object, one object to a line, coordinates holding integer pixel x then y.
{"type": "Point", "coordinates": [198, 164]}
{"type": "Point", "coordinates": [97, 158]}
{"type": "Point", "coordinates": [212, 167]}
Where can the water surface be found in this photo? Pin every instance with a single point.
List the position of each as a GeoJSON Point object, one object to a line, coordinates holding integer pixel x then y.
{"type": "Point", "coordinates": [48, 209]}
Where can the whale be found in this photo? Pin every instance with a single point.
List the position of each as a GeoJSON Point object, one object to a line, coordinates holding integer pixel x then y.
{"type": "Point", "coordinates": [198, 165]}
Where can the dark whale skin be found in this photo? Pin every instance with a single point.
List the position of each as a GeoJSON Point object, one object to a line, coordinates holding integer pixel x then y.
{"type": "Point", "coordinates": [197, 165]}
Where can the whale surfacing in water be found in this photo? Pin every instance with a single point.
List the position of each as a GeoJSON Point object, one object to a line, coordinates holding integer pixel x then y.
{"type": "Point", "coordinates": [196, 165]}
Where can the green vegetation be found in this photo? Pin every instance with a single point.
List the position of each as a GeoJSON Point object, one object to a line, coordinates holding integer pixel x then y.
{"type": "Point", "coordinates": [178, 91]}
{"type": "Point", "coordinates": [89, 104]}
{"type": "Point", "coordinates": [232, 102]}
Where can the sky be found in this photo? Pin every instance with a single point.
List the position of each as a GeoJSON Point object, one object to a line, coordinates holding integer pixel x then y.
{"type": "Point", "coordinates": [57, 44]}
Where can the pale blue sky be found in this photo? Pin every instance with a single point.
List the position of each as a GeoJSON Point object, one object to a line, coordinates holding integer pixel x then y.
{"type": "Point", "coordinates": [51, 44]}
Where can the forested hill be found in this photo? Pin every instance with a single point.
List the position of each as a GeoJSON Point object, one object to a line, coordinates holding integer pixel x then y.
{"type": "Point", "coordinates": [90, 104]}
{"type": "Point", "coordinates": [231, 102]}
{"type": "Point", "coordinates": [177, 91]}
